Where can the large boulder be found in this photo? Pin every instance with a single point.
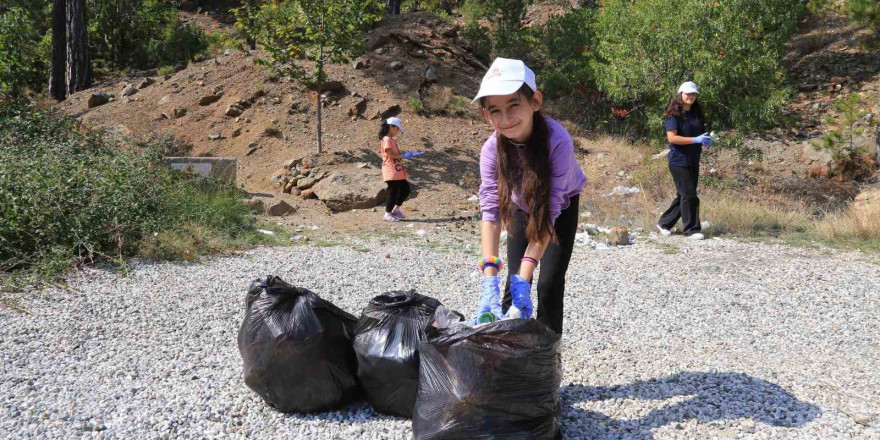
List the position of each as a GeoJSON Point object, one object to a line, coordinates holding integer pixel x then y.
{"type": "Point", "coordinates": [352, 188]}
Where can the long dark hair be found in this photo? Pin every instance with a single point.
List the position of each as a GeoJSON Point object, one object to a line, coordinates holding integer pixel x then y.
{"type": "Point", "coordinates": [384, 129]}
{"type": "Point", "coordinates": [674, 108]}
{"type": "Point", "coordinates": [535, 183]}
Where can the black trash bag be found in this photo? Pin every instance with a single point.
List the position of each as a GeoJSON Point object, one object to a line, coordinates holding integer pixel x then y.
{"type": "Point", "coordinates": [386, 343]}
{"type": "Point", "coordinates": [296, 348]}
{"type": "Point", "coordinates": [495, 381]}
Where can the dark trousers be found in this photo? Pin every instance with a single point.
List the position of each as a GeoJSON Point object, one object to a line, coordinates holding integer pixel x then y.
{"type": "Point", "coordinates": [393, 6]}
{"type": "Point", "coordinates": [398, 191]}
{"type": "Point", "coordinates": [686, 204]}
{"type": "Point", "coordinates": [554, 263]}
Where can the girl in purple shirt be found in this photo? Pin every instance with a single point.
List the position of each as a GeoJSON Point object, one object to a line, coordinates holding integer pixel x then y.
{"type": "Point", "coordinates": [531, 185]}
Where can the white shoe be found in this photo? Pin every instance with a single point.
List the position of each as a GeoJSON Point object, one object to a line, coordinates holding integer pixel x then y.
{"type": "Point", "coordinates": [696, 236]}
{"type": "Point", "coordinates": [664, 232]}
{"type": "Point", "coordinates": [389, 217]}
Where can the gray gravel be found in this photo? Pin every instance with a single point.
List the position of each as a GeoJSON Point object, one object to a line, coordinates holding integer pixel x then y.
{"type": "Point", "coordinates": [666, 339]}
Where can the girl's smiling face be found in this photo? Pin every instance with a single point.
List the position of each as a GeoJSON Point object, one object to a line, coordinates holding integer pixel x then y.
{"type": "Point", "coordinates": [511, 115]}
{"type": "Point", "coordinates": [689, 98]}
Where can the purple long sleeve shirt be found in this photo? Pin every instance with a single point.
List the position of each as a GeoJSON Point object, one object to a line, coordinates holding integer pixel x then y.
{"type": "Point", "coordinates": [566, 178]}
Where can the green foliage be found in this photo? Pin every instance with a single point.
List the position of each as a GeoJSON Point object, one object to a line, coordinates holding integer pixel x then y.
{"type": "Point", "coordinates": [218, 42]}
{"type": "Point", "coordinates": [865, 12]}
{"type": "Point", "coordinates": [141, 34]}
{"type": "Point", "coordinates": [507, 36]}
{"type": "Point", "coordinates": [23, 63]}
{"type": "Point", "coordinates": [415, 104]}
{"type": "Point", "coordinates": [569, 43]}
{"type": "Point", "coordinates": [730, 49]}
{"type": "Point", "coordinates": [320, 31]}
{"type": "Point", "coordinates": [458, 104]}
{"type": "Point", "coordinates": [67, 195]}
{"type": "Point", "coordinates": [846, 156]}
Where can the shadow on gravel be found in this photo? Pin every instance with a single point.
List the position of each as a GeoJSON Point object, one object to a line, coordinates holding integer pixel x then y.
{"type": "Point", "coordinates": [708, 397]}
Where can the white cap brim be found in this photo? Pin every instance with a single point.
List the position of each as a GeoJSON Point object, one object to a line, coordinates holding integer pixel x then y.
{"type": "Point", "coordinates": [499, 88]}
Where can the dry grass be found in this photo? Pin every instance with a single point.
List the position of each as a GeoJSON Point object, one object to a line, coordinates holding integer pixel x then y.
{"type": "Point", "coordinates": [754, 211]}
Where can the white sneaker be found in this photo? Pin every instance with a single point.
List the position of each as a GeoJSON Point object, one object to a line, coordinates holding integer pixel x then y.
{"type": "Point", "coordinates": [696, 236]}
{"type": "Point", "coordinates": [398, 214]}
{"type": "Point", "coordinates": [389, 217]}
{"type": "Point", "coordinates": [664, 232]}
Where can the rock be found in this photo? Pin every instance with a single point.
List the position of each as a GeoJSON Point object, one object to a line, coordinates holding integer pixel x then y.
{"type": "Point", "coordinates": [209, 99]}
{"type": "Point", "coordinates": [618, 237]}
{"type": "Point", "coordinates": [278, 176]}
{"type": "Point", "coordinates": [358, 109]}
{"type": "Point", "coordinates": [164, 100]}
{"type": "Point", "coordinates": [308, 194]}
{"type": "Point", "coordinates": [419, 53]}
{"type": "Point", "coordinates": [251, 151]}
{"type": "Point", "coordinates": [214, 136]}
{"type": "Point", "coordinates": [174, 113]}
{"type": "Point", "coordinates": [869, 197]}
{"type": "Point", "coordinates": [362, 63]}
{"type": "Point", "coordinates": [98, 98]}
{"type": "Point", "coordinates": [393, 110]}
{"type": "Point", "coordinates": [236, 132]}
{"type": "Point", "coordinates": [276, 100]}
{"type": "Point", "coordinates": [306, 183]}
{"type": "Point", "coordinates": [290, 185]}
{"type": "Point", "coordinates": [838, 80]}
{"type": "Point", "coordinates": [129, 90]}
{"type": "Point", "coordinates": [807, 87]}
{"type": "Point", "coordinates": [376, 41]}
{"type": "Point", "coordinates": [815, 156]}
{"type": "Point", "coordinates": [234, 109]}
{"type": "Point", "coordinates": [308, 162]}
{"type": "Point", "coordinates": [280, 208]}
{"type": "Point", "coordinates": [290, 164]}
{"type": "Point", "coordinates": [218, 90]}
{"type": "Point", "coordinates": [351, 189]}
{"type": "Point", "coordinates": [146, 82]}
{"type": "Point", "coordinates": [395, 65]}
{"type": "Point", "coordinates": [329, 86]}
{"type": "Point", "coordinates": [430, 74]}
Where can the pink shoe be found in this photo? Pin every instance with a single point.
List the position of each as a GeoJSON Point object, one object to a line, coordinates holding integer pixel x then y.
{"type": "Point", "coordinates": [388, 217]}
{"type": "Point", "coordinates": [398, 214]}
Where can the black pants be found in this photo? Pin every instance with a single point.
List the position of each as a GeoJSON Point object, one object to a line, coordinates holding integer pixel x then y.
{"type": "Point", "coordinates": [686, 204]}
{"type": "Point", "coordinates": [554, 263]}
{"type": "Point", "coordinates": [398, 191]}
{"type": "Point", "coordinates": [393, 6]}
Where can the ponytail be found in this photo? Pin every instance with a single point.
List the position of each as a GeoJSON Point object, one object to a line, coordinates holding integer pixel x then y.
{"type": "Point", "coordinates": [384, 129]}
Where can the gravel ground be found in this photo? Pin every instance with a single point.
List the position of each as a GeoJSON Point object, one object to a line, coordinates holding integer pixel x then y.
{"type": "Point", "coordinates": [665, 339]}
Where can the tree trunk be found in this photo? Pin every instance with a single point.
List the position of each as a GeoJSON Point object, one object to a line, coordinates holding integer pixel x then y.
{"type": "Point", "coordinates": [58, 59]}
{"type": "Point", "coordinates": [319, 88]}
{"type": "Point", "coordinates": [79, 74]}
{"type": "Point", "coordinates": [877, 132]}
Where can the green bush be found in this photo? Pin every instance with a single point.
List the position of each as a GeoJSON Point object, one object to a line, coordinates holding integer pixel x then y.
{"type": "Point", "coordinates": [569, 42]}
{"type": "Point", "coordinates": [730, 49]}
{"type": "Point", "coordinates": [68, 196]}
{"type": "Point", "coordinates": [23, 63]}
{"type": "Point", "coordinates": [507, 36]}
{"type": "Point", "coordinates": [848, 160]}
{"type": "Point", "coordinates": [141, 34]}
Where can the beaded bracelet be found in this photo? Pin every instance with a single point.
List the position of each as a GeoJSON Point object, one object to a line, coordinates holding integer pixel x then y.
{"type": "Point", "coordinates": [490, 262]}
{"type": "Point", "coordinates": [530, 260]}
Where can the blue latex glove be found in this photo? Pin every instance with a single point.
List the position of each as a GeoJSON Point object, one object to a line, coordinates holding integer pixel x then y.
{"type": "Point", "coordinates": [490, 297]}
{"type": "Point", "coordinates": [410, 154]}
{"type": "Point", "coordinates": [520, 291]}
{"type": "Point", "coordinates": [703, 139]}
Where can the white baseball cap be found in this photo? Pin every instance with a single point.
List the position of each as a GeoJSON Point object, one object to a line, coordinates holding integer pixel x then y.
{"type": "Point", "coordinates": [395, 122]}
{"type": "Point", "coordinates": [688, 87]}
{"type": "Point", "coordinates": [505, 76]}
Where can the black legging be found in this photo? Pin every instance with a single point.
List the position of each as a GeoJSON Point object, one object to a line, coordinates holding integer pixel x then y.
{"type": "Point", "coordinates": [554, 263]}
{"type": "Point", "coordinates": [398, 191]}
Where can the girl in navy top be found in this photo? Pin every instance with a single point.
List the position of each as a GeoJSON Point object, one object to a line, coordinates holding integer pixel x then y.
{"type": "Point", "coordinates": [686, 135]}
